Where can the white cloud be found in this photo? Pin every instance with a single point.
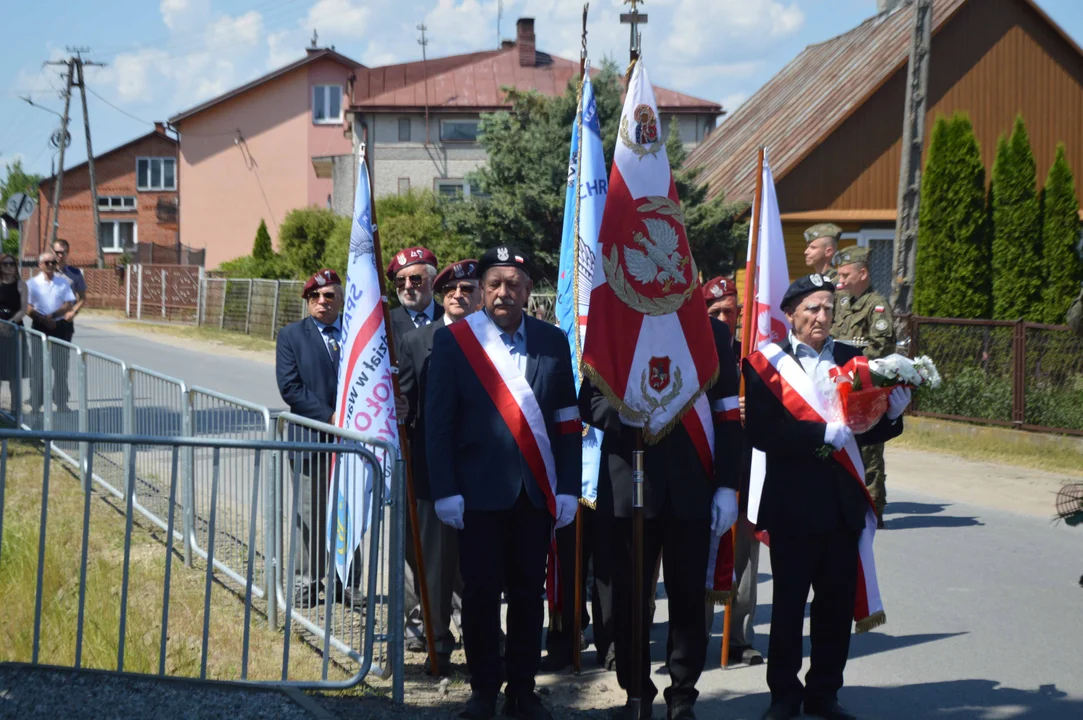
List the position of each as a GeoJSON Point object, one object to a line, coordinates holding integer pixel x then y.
{"type": "Point", "coordinates": [184, 15]}
{"type": "Point", "coordinates": [733, 101]}
{"type": "Point", "coordinates": [725, 28]}
{"type": "Point", "coordinates": [339, 19]}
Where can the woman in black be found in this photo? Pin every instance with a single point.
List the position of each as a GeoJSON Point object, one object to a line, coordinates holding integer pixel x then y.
{"type": "Point", "coordinates": [13, 297]}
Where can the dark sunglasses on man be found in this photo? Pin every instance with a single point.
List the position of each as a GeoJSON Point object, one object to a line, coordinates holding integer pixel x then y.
{"type": "Point", "coordinates": [49, 263]}
{"type": "Point", "coordinates": [415, 281]}
{"type": "Point", "coordinates": [7, 263]}
{"type": "Point", "coordinates": [325, 295]}
{"type": "Point", "coordinates": [463, 288]}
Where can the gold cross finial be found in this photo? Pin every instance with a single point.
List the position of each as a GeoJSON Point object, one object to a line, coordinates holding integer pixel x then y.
{"type": "Point", "coordinates": [633, 3]}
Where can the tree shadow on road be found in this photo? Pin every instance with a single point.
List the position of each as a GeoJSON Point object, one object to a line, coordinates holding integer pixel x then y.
{"type": "Point", "coordinates": [958, 699]}
{"type": "Point", "coordinates": [915, 515]}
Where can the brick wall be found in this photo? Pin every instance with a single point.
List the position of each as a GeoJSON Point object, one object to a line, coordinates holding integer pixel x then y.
{"type": "Point", "coordinates": [116, 175]}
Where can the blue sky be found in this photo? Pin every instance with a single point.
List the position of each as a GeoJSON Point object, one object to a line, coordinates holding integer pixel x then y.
{"type": "Point", "coordinates": [166, 55]}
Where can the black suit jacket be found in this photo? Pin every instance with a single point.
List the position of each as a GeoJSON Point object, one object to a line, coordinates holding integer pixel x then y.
{"type": "Point", "coordinates": [413, 377]}
{"type": "Point", "coordinates": [469, 448]}
{"type": "Point", "coordinates": [802, 494]}
{"type": "Point", "coordinates": [402, 323]}
{"type": "Point", "coordinates": [676, 480]}
{"type": "Point", "coordinates": [305, 372]}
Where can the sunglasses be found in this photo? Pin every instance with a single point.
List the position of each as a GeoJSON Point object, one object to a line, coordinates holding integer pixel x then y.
{"type": "Point", "coordinates": [7, 263]}
{"type": "Point", "coordinates": [326, 295]}
{"type": "Point", "coordinates": [415, 280]}
{"type": "Point", "coordinates": [48, 263]}
{"type": "Point", "coordinates": [463, 288]}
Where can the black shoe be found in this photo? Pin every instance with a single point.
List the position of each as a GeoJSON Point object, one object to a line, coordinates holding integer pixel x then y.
{"type": "Point", "coordinates": [349, 596]}
{"type": "Point", "coordinates": [527, 707]}
{"type": "Point", "coordinates": [627, 712]}
{"type": "Point", "coordinates": [781, 711]}
{"type": "Point", "coordinates": [480, 706]}
{"type": "Point", "coordinates": [306, 596]}
{"type": "Point", "coordinates": [829, 710]}
{"type": "Point", "coordinates": [443, 665]}
{"type": "Point", "coordinates": [745, 655]}
{"type": "Point", "coordinates": [681, 712]}
{"type": "Point", "coordinates": [416, 644]}
{"type": "Point", "coordinates": [556, 661]}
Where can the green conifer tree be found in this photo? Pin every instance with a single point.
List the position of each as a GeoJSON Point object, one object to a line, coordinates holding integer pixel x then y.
{"type": "Point", "coordinates": [1062, 268]}
{"type": "Point", "coordinates": [1017, 262]}
{"type": "Point", "coordinates": [261, 248]}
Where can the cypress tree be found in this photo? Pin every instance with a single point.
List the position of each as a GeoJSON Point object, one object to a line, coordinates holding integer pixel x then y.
{"type": "Point", "coordinates": [953, 251]}
{"type": "Point", "coordinates": [261, 248]}
{"type": "Point", "coordinates": [1017, 263]}
{"type": "Point", "coordinates": [1062, 267]}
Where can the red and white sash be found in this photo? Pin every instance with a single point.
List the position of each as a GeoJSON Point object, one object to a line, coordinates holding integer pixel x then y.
{"type": "Point", "coordinates": [479, 339]}
{"type": "Point", "coordinates": [805, 401]}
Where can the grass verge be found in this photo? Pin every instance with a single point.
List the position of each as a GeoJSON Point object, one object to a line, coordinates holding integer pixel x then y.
{"type": "Point", "coordinates": [1053, 453]}
{"type": "Point", "coordinates": [60, 596]}
{"type": "Point", "coordinates": [214, 336]}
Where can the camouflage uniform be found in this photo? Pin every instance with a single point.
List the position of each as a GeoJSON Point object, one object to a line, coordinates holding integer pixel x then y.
{"type": "Point", "coordinates": [820, 230]}
{"type": "Point", "coordinates": [1075, 315]}
{"type": "Point", "coordinates": [866, 323]}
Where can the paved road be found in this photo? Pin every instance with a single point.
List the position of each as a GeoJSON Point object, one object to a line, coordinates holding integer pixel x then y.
{"type": "Point", "coordinates": [985, 614]}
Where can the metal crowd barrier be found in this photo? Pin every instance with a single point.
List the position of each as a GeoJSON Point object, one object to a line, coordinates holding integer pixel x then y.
{"type": "Point", "coordinates": [224, 480]}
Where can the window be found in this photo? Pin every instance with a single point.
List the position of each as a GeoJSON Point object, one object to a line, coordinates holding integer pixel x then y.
{"type": "Point", "coordinates": [457, 189]}
{"type": "Point", "coordinates": [156, 173]}
{"type": "Point", "coordinates": [404, 129]}
{"type": "Point", "coordinates": [404, 186]}
{"type": "Point", "coordinates": [327, 104]}
{"type": "Point", "coordinates": [459, 130]}
{"type": "Point", "coordinates": [116, 203]}
{"type": "Point", "coordinates": [115, 235]}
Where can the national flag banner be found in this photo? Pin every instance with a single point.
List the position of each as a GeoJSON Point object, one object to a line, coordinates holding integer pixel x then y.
{"type": "Point", "coordinates": [365, 399]}
{"type": "Point", "coordinates": [772, 279]}
{"type": "Point", "coordinates": [650, 348]}
{"type": "Point", "coordinates": [584, 203]}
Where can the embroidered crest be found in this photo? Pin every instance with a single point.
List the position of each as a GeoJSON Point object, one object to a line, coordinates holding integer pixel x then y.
{"type": "Point", "coordinates": [653, 261]}
{"type": "Point", "coordinates": [716, 291]}
{"type": "Point", "coordinates": [320, 279]}
{"type": "Point", "coordinates": [402, 258]}
{"type": "Point", "coordinates": [646, 141]}
{"type": "Point", "coordinates": [459, 271]}
{"type": "Point", "coordinates": [502, 254]}
{"type": "Point", "coordinates": [361, 239]}
{"type": "Point", "coordinates": [657, 377]}
{"type": "Point", "coordinates": [844, 300]}
{"type": "Point", "coordinates": [659, 373]}
{"type": "Point", "coordinates": [879, 308]}
{"type": "Point", "coordinates": [881, 324]}
{"type": "Point", "coordinates": [816, 280]}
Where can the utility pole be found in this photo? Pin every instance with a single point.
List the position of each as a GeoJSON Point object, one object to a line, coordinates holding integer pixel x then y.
{"type": "Point", "coordinates": [635, 19]}
{"type": "Point", "coordinates": [904, 265]}
{"type": "Point", "coordinates": [80, 63]}
{"type": "Point", "coordinates": [424, 43]}
{"type": "Point", "coordinates": [61, 138]}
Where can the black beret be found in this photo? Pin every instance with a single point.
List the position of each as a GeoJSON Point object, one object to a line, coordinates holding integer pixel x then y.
{"type": "Point", "coordinates": [805, 285]}
{"type": "Point", "coordinates": [505, 256]}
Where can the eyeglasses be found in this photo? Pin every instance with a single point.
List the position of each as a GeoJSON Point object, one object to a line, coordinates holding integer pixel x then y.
{"type": "Point", "coordinates": [326, 295]}
{"type": "Point", "coordinates": [48, 263]}
{"type": "Point", "coordinates": [463, 288]}
{"type": "Point", "coordinates": [415, 280]}
{"type": "Point", "coordinates": [7, 263]}
{"type": "Point", "coordinates": [60, 252]}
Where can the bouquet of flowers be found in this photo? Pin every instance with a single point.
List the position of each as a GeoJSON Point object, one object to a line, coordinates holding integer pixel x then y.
{"type": "Point", "coordinates": [863, 386]}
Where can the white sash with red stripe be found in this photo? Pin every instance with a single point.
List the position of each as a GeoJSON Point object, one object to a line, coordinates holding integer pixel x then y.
{"type": "Point", "coordinates": [801, 396]}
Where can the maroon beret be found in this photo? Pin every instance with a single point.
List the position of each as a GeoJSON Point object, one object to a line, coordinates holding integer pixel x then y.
{"type": "Point", "coordinates": [462, 270]}
{"type": "Point", "coordinates": [408, 257]}
{"type": "Point", "coordinates": [320, 279]}
{"type": "Point", "coordinates": [718, 288]}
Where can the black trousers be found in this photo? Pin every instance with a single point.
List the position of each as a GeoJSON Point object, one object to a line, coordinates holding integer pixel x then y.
{"type": "Point", "coordinates": [560, 642]}
{"type": "Point", "coordinates": [683, 545]}
{"type": "Point", "coordinates": [61, 359]}
{"type": "Point", "coordinates": [504, 551]}
{"type": "Point", "coordinates": [828, 564]}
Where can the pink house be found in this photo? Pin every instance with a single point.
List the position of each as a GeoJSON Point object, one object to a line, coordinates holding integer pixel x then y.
{"type": "Point", "coordinates": [248, 155]}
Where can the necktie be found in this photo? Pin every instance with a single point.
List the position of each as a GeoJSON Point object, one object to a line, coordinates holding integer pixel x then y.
{"type": "Point", "coordinates": [332, 343]}
{"type": "Point", "coordinates": [421, 320]}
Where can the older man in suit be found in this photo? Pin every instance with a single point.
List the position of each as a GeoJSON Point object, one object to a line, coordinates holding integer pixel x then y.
{"type": "Point", "coordinates": [504, 449]}
{"type": "Point", "coordinates": [306, 364]}
{"type": "Point", "coordinates": [814, 504]}
{"type": "Point", "coordinates": [458, 285]}
{"type": "Point", "coordinates": [412, 272]}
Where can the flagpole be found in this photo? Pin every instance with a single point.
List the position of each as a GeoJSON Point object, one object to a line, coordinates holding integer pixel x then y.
{"type": "Point", "coordinates": [577, 625]}
{"type": "Point", "coordinates": [747, 335]}
{"type": "Point", "coordinates": [638, 479]}
{"type": "Point", "coordinates": [404, 444]}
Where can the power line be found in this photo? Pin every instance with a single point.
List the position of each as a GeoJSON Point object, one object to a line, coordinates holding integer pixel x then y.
{"type": "Point", "coordinates": [119, 110]}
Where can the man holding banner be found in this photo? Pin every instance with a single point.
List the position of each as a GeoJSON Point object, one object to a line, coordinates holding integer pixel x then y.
{"type": "Point", "coordinates": [504, 454]}
{"type": "Point", "coordinates": [813, 503]}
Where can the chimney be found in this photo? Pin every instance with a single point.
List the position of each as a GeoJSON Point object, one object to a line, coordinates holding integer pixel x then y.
{"type": "Point", "coordinates": [159, 128]}
{"type": "Point", "coordinates": [524, 34]}
{"type": "Point", "coordinates": [886, 6]}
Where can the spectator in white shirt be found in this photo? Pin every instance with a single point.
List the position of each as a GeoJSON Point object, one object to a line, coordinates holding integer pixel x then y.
{"type": "Point", "coordinates": [50, 299]}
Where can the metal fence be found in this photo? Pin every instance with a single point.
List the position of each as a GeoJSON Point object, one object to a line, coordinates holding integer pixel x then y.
{"type": "Point", "coordinates": [1017, 374]}
{"type": "Point", "coordinates": [220, 477]}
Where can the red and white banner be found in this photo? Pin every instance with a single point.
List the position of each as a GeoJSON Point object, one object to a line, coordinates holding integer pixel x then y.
{"type": "Point", "coordinates": [805, 401]}
{"type": "Point", "coordinates": [650, 349]}
{"type": "Point", "coordinates": [772, 279]}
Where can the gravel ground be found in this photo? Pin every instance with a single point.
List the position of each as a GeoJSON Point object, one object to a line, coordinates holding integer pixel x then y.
{"type": "Point", "coordinates": [47, 692]}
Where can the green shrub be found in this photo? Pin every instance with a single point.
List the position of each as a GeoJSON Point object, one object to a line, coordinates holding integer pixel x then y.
{"type": "Point", "coordinates": [1017, 263]}
{"type": "Point", "coordinates": [970, 393]}
{"type": "Point", "coordinates": [1062, 268]}
{"type": "Point", "coordinates": [302, 239]}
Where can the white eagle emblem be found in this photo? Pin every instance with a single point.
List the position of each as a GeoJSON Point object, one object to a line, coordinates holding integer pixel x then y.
{"type": "Point", "coordinates": [502, 254]}
{"type": "Point", "coordinates": [361, 239]}
{"type": "Point", "coordinates": [659, 260]}
{"type": "Point", "coordinates": [816, 280]}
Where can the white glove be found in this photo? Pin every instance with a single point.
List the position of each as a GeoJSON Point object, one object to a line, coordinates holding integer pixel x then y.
{"type": "Point", "coordinates": [450, 511]}
{"type": "Point", "coordinates": [897, 402]}
{"type": "Point", "coordinates": [723, 510]}
{"type": "Point", "coordinates": [838, 435]}
{"type": "Point", "coordinates": [567, 505]}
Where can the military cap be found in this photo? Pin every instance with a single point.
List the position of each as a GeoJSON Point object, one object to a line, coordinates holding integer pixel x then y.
{"type": "Point", "coordinates": [462, 270]}
{"type": "Point", "coordinates": [852, 255]}
{"type": "Point", "coordinates": [410, 256]}
{"type": "Point", "coordinates": [505, 256]}
{"type": "Point", "coordinates": [718, 288]}
{"type": "Point", "coordinates": [820, 230]}
{"type": "Point", "coordinates": [322, 278]}
{"type": "Point", "coordinates": [805, 285]}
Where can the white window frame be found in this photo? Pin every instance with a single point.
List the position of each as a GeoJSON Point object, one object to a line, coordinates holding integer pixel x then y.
{"type": "Point", "coordinates": [116, 234]}
{"type": "Point", "coordinates": [865, 234]}
{"type": "Point", "coordinates": [475, 121]}
{"type": "Point", "coordinates": [150, 187]}
{"type": "Point", "coordinates": [325, 101]}
{"type": "Point", "coordinates": [460, 183]}
{"type": "Point", "coordinates": [123, 207]}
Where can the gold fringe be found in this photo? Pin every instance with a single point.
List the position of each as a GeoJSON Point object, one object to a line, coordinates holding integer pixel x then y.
{"type": "Point", "coordinates": [592, 504]}
{"type": "Point", "coordinates": [556, 622]}
{"type": "Point", "coordinates": [871, 622]}
{"type": "Point", "coordinates": [719, 597]}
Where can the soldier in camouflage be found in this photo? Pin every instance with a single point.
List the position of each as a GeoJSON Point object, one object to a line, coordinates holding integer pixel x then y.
{"type": "Point", "coordinates": [821, 244]}
{"type": "Point", "coordinates": [863, 319]}
{"type": "Point", "coordinates": [1075, 321]}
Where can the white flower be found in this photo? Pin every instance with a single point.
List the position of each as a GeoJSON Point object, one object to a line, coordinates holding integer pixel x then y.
{"type": "Point", "coordinates": [926, 368]}
{"type": "Point", "coordinates": [900, 370]}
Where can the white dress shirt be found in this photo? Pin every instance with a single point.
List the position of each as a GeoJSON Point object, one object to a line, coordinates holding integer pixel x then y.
{"type": "Point", "coordinates": [47, 296]}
